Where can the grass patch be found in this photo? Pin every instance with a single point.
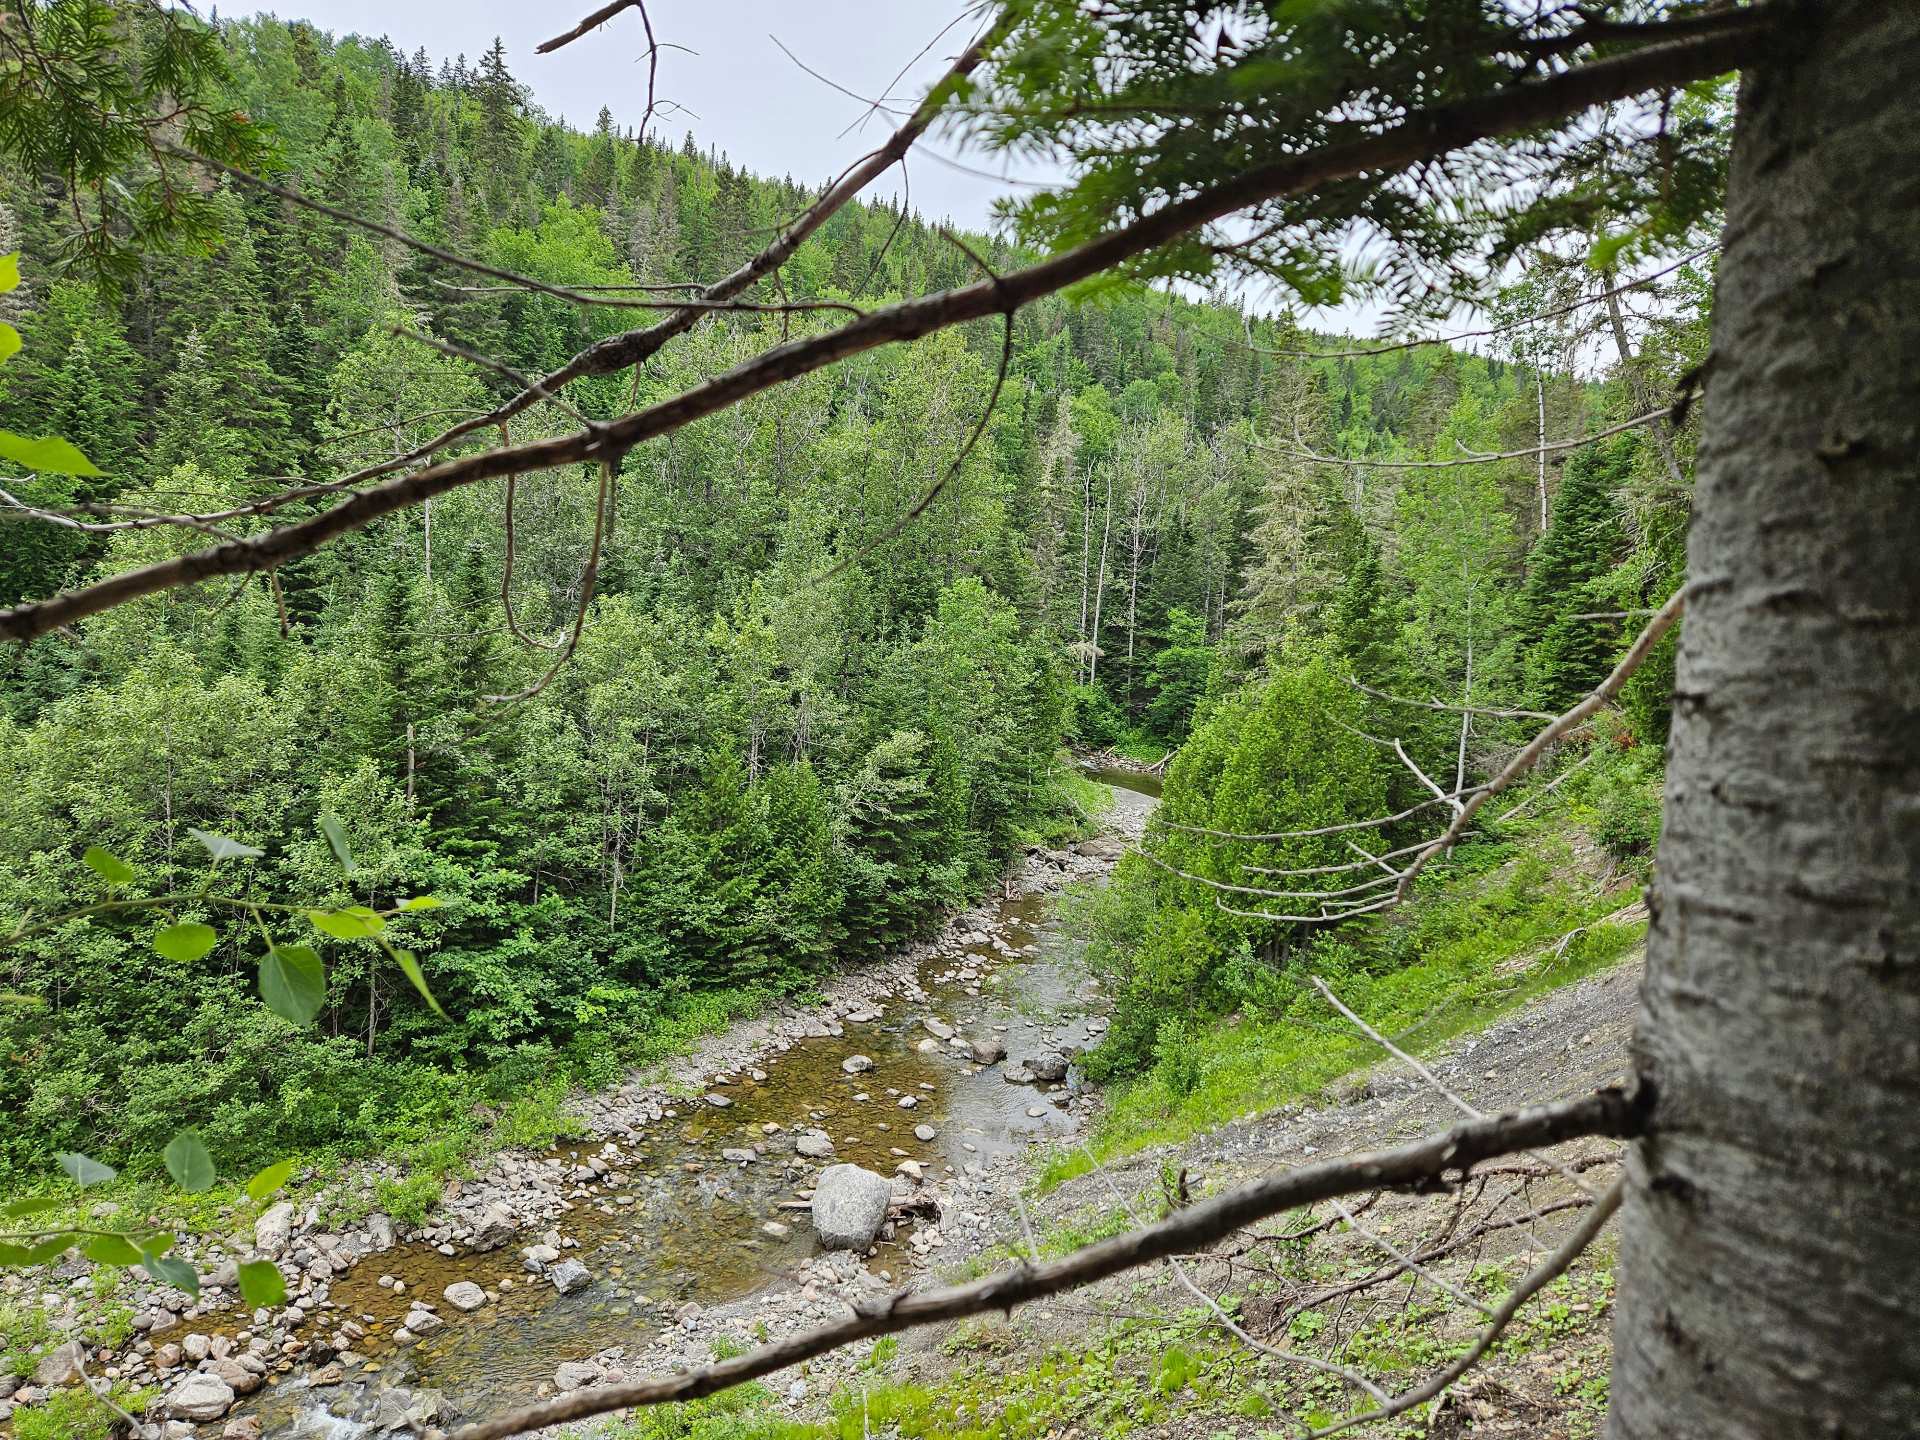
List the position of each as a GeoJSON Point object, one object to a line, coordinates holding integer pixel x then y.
{"type": "Point", "coordinates": [1470, 948]}
{"type": "Point", "coordinates": [1078, 804]}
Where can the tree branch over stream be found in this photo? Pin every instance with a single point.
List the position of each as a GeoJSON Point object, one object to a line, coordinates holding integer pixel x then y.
{"type": "Point", "coordinates": [1436, 1162]}
{"type": "Point", "coordinates": [1420, 137]}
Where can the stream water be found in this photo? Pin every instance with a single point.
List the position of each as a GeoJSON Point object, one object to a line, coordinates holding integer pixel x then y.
{"type": "Point", "coordinates": [688, 1225]}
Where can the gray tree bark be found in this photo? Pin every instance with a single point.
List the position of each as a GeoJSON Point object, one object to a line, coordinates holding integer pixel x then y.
{"type": "Point", "coordinates": [1770, 1253]}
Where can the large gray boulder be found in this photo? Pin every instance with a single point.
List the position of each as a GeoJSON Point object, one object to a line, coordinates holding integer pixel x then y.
{"type": "Point", "coordinates": [849, 1207]}
{"type": "Point", "coordinates": [199, 1397]}
{"type": "Point", "coordinates": [464, 1295]}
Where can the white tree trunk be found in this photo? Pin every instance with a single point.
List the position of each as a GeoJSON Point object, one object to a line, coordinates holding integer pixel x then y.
{"type": "Point", "coordinates": [1770, 1255]}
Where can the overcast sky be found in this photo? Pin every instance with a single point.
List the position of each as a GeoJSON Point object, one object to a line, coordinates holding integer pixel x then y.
{"type": "Point", "coordinates": [744, 95]}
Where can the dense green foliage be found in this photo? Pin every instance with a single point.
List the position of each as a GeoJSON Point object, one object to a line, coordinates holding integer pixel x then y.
{"type": "Point", "coordinates": [745, 774]}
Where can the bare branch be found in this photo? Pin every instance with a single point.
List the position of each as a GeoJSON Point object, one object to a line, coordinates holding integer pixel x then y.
{"type": "Point", "coordinates": [1302, 453]}
{"type": "Point", "coordinates": [1418, 1166]}
{"type": "Point", "coordinates": [598, 17]}
{"type": "Point", "coordinates": [1556, 1264]}
{"type": "Point", "coordinates": [1581, 304]}
{"type": "Point", "coordinates": [1438, 704]}
{"type": "Point", "coordinates": [1531, 752]}
{"type": "Point", "coordinates": [589, 573]}
{"type": "Point", "coordinates": [1376, 823]}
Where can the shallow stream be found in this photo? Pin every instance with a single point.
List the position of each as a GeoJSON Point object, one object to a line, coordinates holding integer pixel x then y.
{"type": "Point", "coordinates": [687, 1225]}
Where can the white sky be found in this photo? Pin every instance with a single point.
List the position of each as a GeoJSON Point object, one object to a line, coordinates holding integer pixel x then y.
{"type": "Point", "coordinates": [745, 95]}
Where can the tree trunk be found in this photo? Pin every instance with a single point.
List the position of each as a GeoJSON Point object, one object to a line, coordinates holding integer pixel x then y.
{"type": "Point", "coordinates": [1771, 1238]}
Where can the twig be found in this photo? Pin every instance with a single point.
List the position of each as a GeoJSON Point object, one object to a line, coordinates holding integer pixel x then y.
{"type": "Point", "coordinates": [589, 572]}
{"type": "Point", "coordinates": [1531, 752]}
{"type": "Point", "coordinates": [1556, 1264]}
{"type": "Point", "coordinates": [1550, 448]}
{"type": "Point", "coordinates": [1389, 349]}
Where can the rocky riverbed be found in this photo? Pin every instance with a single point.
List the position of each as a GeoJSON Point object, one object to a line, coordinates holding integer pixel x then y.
{"type": "Point", "coordinates": [682, 1222]}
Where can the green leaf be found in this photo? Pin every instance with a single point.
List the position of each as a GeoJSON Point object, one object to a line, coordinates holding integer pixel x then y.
{"type": "Point", "coordinates": [356, 922]}
{"type": "Point", "coordinates": [411, 968]}
{"type": "Point", "coordinates": [420, 902]}
{"type": "Point", "coordinates": [170, 1271]}
{"type": "Point", "coordinates": [109, 867]}
{"type": "Point", "coordinates": [112, 1250]}
{"type": "Point", "coordinates": [188, 1162]}
{"type": "Point", "coordinates": [337, 838]}
{"type": "Point", "coordinates": [293, 982]}
{"type": "Point", "coordinates": [9, 342]}
{"type": "Point", "coordinates": [83, 1169]}
{"type": "Point", "coordinates": [49, 453]}
{"type": "Point", "coordinates": [185, 942]}
{"type": "Point", "coordinates": [9, 272]}
{"type": "Point", "coordinates": [13, 1256]}
{"type": "Point", "coordinates": [34, 1205]}
{"type": "Point", "coordinates": [51, 1248]}
{"type": "Point", "coordinates": [261, 1284]}
{"type": "Point", "coordinates": [269, 1179]}
{"type": "Point", "coordinates": [221, 848]}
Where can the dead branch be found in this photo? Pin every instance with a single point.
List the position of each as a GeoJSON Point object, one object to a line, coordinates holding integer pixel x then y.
{"type": "Point", "coordinates": [1438, 704]}
{"type": "Point", "coordinates": [1420, 136]}
{"type": "Point", "coordinates": [1570, 1249]}
{"type": "Point", "coordinates": [1366, 887]}
{"type": "Point", "coordinates": [1374, 824]}
{"type": "Point", "coordinates": [1418, 1166]}
{"type": "Point", "coordinates": [598, 17]}
{"type": "Point", "coordinates": [589, 573]}
{"type": "Point", "coordinates": [1581, 304]}
{"type": "Point", "coordinates": [632, 347]}
{"type": "Point", "coordinates": [1531, 752]}
{"type": "Point", "coordinates": [1551, 447]}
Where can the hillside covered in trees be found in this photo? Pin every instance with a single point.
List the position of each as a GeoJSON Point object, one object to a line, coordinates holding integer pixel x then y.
{"type": "Point", "coordinates": [789, 737]}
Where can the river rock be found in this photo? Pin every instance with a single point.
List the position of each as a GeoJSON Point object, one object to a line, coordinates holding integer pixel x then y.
{"type": "Point", "coordinates": [1017, 1075]}
{"type": "Point", "coordinates": [849, 1207]}
{"type": "Point", "coordinates": [465, 1295]}
{"type": "Point", "coordinates": [238, 1378]}
{"type": "Point", "coordinates": [718, 1101]}
{"type": "Point", "coordinates": [60, 1366]}
{"type": "Point", "coordinates": [774, 1230]}
{"type": "Point", "coordinates": [939, 1029]}
{"type": "Point", "coordinates": [569, 1276]}
{"type": "Point", "coordinates": [987, 1051]}
{"type": "Point", "coordinates": [493, 1228]}
{"type": "Point", "coordinates": [813, 1144]}
{"type": "Point", "coordinates": [201, 1397]}
{"type": "Point", "coordinates": [380, 1231]}
{"type": "Point", "coordinates": [924, 1132]}
{"type": "Point", "coordinates": [737, 1156]}
{"type": "Point", "coordinates": [273, 1229]}
{"type": "Point", "coordinates": [1049, 1065]}
{"type": "Point", "coordinates": [196, 1347]}
{"type": "Point", "coordinates": [576, 1375]}
{"type": "Point", "coordinates": [857, 1064]}
{"type": "Point", "coordinates": [242, 1427]}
